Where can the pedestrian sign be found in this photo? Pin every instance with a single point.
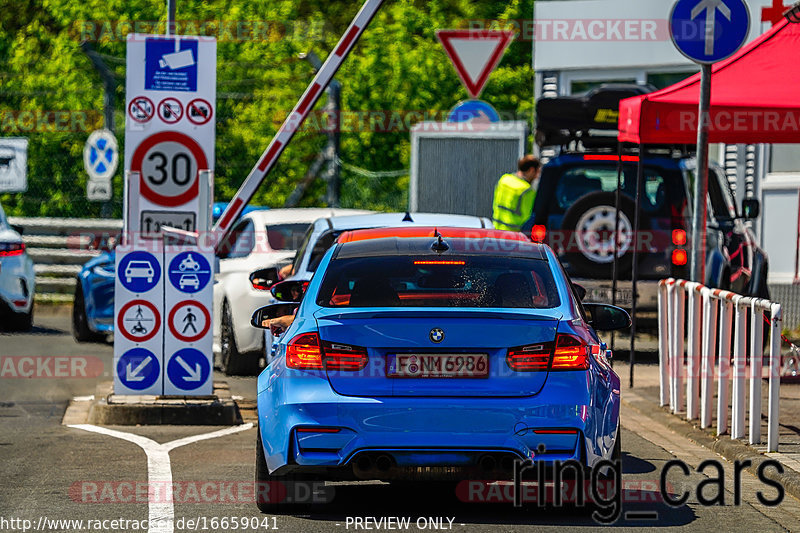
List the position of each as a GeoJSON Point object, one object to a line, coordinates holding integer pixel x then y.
{"type": "Point", "coordinates": [189, 272]}
{"type": "Point", "coordinates": [138, 369]}
{"type": "Point", "coordinates": [188, 369]}
{"type": "Point", "coordinates": [707, 31]}
{"type": "Point", "coordinates": [139, 271]}
{"type": "Point", "coordinates": [189, 321]}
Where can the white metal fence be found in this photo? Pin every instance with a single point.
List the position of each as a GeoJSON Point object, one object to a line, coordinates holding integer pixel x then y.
{"type": "Point", "coordinates": [698, 326]}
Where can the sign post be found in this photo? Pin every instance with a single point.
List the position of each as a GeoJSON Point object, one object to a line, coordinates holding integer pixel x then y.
{"type": "Point", "coordinates": [164, 292]}
{"type": "Point", "coordinates": [100, 159]}
{"type": "Point", "coordinates": [706, 31]}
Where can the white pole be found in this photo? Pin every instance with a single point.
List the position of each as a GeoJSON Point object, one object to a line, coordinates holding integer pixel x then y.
{"type": "Point", "coordinates": [756, 362]}
{"type": "Point", "coordinates": [709, 343]}
{"type": "Point", "coordinates": [725, 334]}
{"type": "Point", "coordinates": [774, 377]}
{"type": "Point", "coordinates": [693, 353]}
{"type": "Point", "coordinates": [678, 344]}
{"type": "Point", "coordinates": [663, 341]}
{"type": "Point", "coordinates": [739, 355]}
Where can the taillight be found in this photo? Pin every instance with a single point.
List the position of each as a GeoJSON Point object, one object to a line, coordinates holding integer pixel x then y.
{"type": "Point", "coordinates": [338, 356]}
{"type": "Point", "coordinates": [679, 237]}
{"type": "Point", "coordinates": [679, 257]}
{"type": "Point", "coordinates": [531, 358]}
{"type": "Point", "coordinates": [303, 352]}
{"type": "Point", "coordinates": [538, 233]}
{"type": "Point", "coordinates": [11, 248]}
{"type": "Point", "coordinates": [571, 353]}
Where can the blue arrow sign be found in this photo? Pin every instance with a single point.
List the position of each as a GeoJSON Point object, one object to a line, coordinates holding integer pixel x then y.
{"type": "Point", "coordinates": [707, 31]}
{"type": "Point", "coordinates": [473, 109]}
{"type": "Point", "coordinates": [188, 369]}
{"type": "Point", "coordinates": [138, 369]}
{"type": "Point", "coordinates": [189, 272]}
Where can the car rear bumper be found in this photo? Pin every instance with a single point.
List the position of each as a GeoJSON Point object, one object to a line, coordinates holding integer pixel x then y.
{"type": "Point", "coordinates": [17, 283]}
{"type": "Point", "coordinates": [315, 427]}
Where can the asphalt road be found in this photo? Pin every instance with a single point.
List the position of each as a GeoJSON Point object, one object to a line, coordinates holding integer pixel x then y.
{"type": "Point", "coordinates": [51, 472]}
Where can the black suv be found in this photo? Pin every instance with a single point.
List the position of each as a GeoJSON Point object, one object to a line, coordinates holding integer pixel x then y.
{"type": "Point", "coordinates": [575, 213]}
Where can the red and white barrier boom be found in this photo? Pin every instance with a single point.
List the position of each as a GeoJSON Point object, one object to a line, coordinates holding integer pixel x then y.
{"type": "Point", "coordinates": [296, 118]}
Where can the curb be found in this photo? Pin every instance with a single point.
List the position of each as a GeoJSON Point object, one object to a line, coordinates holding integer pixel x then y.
{"type": "Point", "coordinates": [107, 409]}
{"type": "Point", "coordinates": [732, 450]}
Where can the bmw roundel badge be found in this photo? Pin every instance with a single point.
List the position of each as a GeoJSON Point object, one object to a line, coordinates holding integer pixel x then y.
{"type": "Point", "coordinates": [436, 335]}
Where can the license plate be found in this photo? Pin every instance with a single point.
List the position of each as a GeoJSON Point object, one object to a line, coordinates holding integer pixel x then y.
{"type": "Point", "coordinates": [438, 366]}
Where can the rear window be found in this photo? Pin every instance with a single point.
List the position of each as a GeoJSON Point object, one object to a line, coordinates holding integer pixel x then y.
{"type": "Point", "coordinates": [454, 281]}
{"type": "Point", "coordinates": [286, 236]}
{"type": "Point", "coordinates": [577, 182]}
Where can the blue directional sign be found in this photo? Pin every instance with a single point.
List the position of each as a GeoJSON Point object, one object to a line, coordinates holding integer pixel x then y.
{"type": "Point", "coordinates": [139, 271]}
{"type": "Point", "coordinates": [189, 272]}
{"type": "Point", "coordinates": [473, 109]}
{"type": "Point", "coordinates": [707, 31]}
{"type": "Point", "coordinates": [188, 369]}
{"type": "Point", "coordinates": [170, 64]}
{"type": "Point", "coordinates": [101, 155]}
{"type": "Point", "coordinates": [138, 369]}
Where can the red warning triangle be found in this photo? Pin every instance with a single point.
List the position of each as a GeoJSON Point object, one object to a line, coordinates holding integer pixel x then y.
{"type": "Point", "coordinates": [475, 54]}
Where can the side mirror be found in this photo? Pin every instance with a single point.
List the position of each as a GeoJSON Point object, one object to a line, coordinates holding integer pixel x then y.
{"type": "Point", "coordinates": [264, 279]}
{"type": "Point", "coordinates": [269, 312]}
{"type": "Point", "coordinates": [580, 291]}
{"type": "Point", "coordinates": [289, 291]}
{"type": "Point", "coordinates": [604, 317]}
{"type": "Point", "coordinates": [751, 208]}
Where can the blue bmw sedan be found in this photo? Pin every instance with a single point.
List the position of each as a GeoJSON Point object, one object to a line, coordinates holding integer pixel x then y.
{"type": "Point", "coordinates": [444, 357]}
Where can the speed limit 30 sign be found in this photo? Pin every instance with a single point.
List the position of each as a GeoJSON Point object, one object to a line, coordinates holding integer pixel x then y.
{"type": "Point", "coordinates": [169, 164]}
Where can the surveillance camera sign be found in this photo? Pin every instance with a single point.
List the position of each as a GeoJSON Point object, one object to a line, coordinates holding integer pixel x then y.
{"type": "Point", "coordinates": [170, 64]}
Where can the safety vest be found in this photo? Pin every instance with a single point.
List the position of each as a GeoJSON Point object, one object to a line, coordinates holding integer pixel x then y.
{"type": "Point", "coordinates": [513, 203]}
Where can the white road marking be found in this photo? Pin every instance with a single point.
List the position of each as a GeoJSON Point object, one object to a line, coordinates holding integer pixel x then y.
{"type": "Point", "coordinates": [159, 469]}
{"type": "Point", "coordinates": [83, 398]}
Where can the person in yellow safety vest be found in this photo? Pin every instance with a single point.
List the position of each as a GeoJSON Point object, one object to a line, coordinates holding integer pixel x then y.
{"type": "Point", "coordinates": [514, 195]}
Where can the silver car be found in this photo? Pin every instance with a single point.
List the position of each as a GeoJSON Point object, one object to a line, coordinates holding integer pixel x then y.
{"type": "Point", "coordinates": [17, 279]}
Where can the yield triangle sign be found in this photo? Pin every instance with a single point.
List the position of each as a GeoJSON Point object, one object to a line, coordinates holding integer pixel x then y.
{"type": "Point", "coordinates": [475, 54]}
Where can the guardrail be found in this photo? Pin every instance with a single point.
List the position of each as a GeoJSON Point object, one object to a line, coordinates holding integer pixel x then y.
{"type": "Point", "coordinates": [715, 320]}
{"type": "Point", "coordinates": [59, 247]}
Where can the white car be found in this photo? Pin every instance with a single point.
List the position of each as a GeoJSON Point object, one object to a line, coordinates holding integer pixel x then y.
{"type": "Point", "coordinates": [17, 280]}
{"type": "Point", "coordinates": [259, 244]}
{"type": "Point", "coordinates": [139, 269]}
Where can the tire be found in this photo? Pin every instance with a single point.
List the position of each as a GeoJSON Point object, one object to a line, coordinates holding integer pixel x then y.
{"type": "Point", "coordinates": [591, 255]}
{"type": "Point", "coordinates": [616, 455]}
{"type": "Point", "coordinates": [232, 362]}
{"type": "Point", "coordinates": [272, 485]}
{"type": "Point", "coordinates": [80, 323]}
{"type": "Point", "coordinates": [22, 322]}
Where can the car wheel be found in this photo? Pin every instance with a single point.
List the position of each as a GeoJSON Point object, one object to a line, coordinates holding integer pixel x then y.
{"type": "Point", "coordinates": [22, 321]}
{"type": "Point", "coordinates": [589, 227]}
{"type": "Point", "coordinates": [80, 323]}
{"type": "Point", "coordinates": [232, 362]}
{"type": "Point", "coordinates": [275, 494]}
{"type": "Point", "coordinates": [616, 455]}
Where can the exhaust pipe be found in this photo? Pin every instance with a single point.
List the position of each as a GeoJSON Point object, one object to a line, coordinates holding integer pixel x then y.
{"type": "Point", "coordinates": [487, 463]}
{"type": "Point", "coordinates": [383, 463]}
{"type": "Point", "coordinates": [364, 463]}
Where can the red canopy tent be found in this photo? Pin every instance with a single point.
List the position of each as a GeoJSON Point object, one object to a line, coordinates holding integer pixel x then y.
{"type": "Point", "coordinates": [754, 99]}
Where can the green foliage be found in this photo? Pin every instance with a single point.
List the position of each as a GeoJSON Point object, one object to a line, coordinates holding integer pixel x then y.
{"type": "Point", "coordinates": [397, 74]}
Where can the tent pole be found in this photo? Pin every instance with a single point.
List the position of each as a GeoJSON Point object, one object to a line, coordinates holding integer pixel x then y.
{"type": "Point", "coordinates": [615, 236]}
{"type": "Point", "coordinates": [635, 268]}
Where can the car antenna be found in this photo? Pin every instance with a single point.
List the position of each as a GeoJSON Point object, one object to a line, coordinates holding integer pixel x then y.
{"type": "Point", "coordinates": [408, 218]}
{"type": "Point", "coordinates": [439, 246]}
